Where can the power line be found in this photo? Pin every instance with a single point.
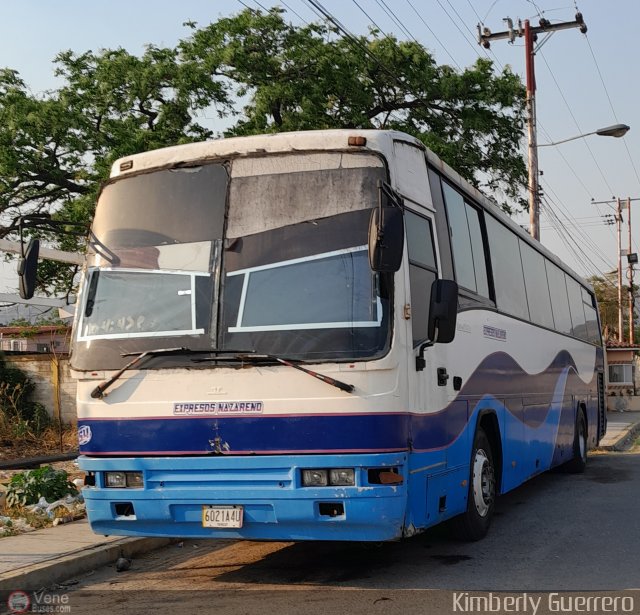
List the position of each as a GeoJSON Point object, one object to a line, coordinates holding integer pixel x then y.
{"type": "Point", "coordinates": [389, 11]}
{"type": "Point", "coordinates": [615, 115]}
{"type": "Point", "coordinates": [294, 12]}
{"type": "Point", "coordinates": [453, 21]}
{"type": "Point", "coordinates": [355, 41]}
{"type": "Point", "coordinates": [579, 229]}
{"type": "Point", "coordinates": [570, 241]}
{"type": "Point", "coordinates": [370, 18]}
{"type": "Point", "coordinates": [433, 34]}
{"type": "Point", "coordinates": [575, 121]}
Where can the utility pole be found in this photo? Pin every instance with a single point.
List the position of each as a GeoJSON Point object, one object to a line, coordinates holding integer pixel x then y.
{"type": "Point", "coordinates": [620, 318]}
{"type": "Point", "coordinates": [530, 34]}
{"type": "Point", "coordinates": [632, 258]}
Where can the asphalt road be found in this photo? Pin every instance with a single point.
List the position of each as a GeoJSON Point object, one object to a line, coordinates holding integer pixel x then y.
{"type": "Point", "coordinates": [559, 532]}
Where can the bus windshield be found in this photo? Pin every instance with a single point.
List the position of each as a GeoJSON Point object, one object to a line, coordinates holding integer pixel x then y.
{"type": "Point", "coordinates": [216, 257]}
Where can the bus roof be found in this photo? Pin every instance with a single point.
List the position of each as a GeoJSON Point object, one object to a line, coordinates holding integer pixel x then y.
{"type": "Point", "coordinates": [282, 142]}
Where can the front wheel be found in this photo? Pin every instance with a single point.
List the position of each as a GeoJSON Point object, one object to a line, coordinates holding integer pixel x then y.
{"type": "Point", "coordinates": [474, 524]}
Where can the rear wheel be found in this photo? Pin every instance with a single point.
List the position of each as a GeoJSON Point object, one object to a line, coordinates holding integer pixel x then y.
{"type": "Point", "coordinates": [579, 462]}
{"type": "Point", "coordinates": [474, 523]}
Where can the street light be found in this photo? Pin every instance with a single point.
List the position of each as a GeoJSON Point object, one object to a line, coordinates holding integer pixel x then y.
{"type": "Point", "coordinates": [617, 130]}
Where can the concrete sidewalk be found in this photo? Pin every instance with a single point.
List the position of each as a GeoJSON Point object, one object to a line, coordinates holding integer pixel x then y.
{"type": "Point", "coordinates": [622, 428]}
{"type": "Point", "coordinates": [45, 557]}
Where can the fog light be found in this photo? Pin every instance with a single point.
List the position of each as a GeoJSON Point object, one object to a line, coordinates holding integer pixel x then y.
{"type": "Point", "coordinates": [134, 480]}
{"type": "Point", "coordinates": [314, 478]}
{"type": "Point", "coordinates": [342, 477]}
{"type": "Point", "coordinates": [115, 479]}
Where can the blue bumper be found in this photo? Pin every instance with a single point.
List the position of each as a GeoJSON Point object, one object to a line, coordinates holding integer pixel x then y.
{"type": "Point", "coordinates": [276, 505]}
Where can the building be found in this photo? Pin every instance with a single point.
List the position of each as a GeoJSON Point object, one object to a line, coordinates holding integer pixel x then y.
{"type": "Point", "coordinates": [623, 386]}
{"type": "Point", "coordinates": [36, 338]}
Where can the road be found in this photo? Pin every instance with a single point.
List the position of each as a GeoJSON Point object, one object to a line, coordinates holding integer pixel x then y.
{"type": "Point", "coordinates": [558, 532]}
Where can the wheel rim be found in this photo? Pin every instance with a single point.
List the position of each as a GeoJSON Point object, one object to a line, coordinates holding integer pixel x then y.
{"type": "Point", "coordinates": [483, 482]}
{"type": "Point", "coordinates": [582, 442]}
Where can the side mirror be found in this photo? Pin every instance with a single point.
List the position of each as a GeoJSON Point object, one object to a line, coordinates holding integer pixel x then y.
{"type": "Point", "coordinates": [28, 268]}
{"type": "Point", "coordinates": [443, 315]}
{"type": "Point", "coordinates": [386, 239]}
{"type": "Point", "coordinates": [443, 311]}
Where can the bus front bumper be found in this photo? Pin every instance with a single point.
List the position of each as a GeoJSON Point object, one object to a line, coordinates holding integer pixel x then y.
{"type": "Point", "coordinates": [275, 504]}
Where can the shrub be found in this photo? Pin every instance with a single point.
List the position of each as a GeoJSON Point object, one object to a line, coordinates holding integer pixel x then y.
{"type": "Point", "coordinates": [26, 488]}
{"type": "Point", "coordinates": [19, 415]}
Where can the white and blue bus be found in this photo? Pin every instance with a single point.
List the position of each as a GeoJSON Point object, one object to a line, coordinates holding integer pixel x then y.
{"type": "Point", "coordinates": [321, 336]}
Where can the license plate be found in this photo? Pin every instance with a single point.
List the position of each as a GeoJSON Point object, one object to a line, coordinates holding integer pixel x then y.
{"type": "Point", "coordinates": [222, 516]}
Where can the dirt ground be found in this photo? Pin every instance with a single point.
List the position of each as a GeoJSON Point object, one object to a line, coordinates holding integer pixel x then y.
{"type": "Point", "coordinates": [48, 443]}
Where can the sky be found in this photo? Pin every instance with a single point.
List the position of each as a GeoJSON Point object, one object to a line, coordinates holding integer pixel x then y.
{"type": "Point", "coordinates": [585, 82]}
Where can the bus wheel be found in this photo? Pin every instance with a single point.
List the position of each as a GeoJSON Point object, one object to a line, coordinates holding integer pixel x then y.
{"type": "Point", "coordinates": [579, 462]}
{"type": "Point", "coordinates": [474, 523]}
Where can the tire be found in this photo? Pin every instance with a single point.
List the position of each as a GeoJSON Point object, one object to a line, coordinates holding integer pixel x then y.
{"type": "Point", "coordinates": [474, 524]}
{"type": "Point", "coordinates": [579, 462]}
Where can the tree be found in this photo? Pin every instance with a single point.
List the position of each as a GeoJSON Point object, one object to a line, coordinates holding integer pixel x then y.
{"type": "Point", "coordinates": [56, 149]}
{"type": "Point", "coordinates": [606, 290]}
{"type": "Point", "coordinates": [312, 77]}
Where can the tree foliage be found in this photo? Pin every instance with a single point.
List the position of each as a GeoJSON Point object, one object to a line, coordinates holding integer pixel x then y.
{"type": "Point", "coordinates": [606, 290]}
{"type": "Point", "coordinates": [260, 74]}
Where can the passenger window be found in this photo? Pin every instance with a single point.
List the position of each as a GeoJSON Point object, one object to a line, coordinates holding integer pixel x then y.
{"type": "Point", "coordinates": [477, 248]}
{"type": "Point", "coordinates": [508, 277]}
{"type": "Point", "coordinates": [591, 317]}
{"type": "Point", "coordinates": [422, 272]}
{"type": "Point", "coordinates": [535, 279]}
{"type": "Point", "coordinates": [578, 322]}
{"type": "Point", "coordinates": [559, 298]}
{"type": "Point", "coordinates": [467, 244]}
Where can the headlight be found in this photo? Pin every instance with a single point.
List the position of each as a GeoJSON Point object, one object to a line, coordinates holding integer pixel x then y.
{"type": "Point", "coordinates": [342, 477]}
{"type": "Point", "coordinates": [121, 480]}
{"type": "Point", "coordinates": [314, 478]}
{"type": "Point", "coordinates": [115, 479]}
{"type": "Point", "coordinates": [336, 477]}
{"type": "Point", "coordinates": [134, 480]}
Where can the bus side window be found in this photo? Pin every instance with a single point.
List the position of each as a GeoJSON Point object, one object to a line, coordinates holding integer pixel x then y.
{"type": "Point", "coordinates": [508, 275]}
{"type": "Point", "coordinates": [422, 271]}
{"type": "Point", "coordinates": [591, 316]}
{"type": "Point", "coordinates": [559, 298]}
{"type": "Point", "coordinates": [578, 320]}
{"type": "Point", "coordinates": [537, 286]}
{"type": "Point", "coordinates": [466, 238]}
{"type": "Point", "coordinates": [442, 227]}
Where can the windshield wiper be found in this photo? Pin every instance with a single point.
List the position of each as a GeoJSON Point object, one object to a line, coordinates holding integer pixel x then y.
{"type": "Point", "coordinates": [242, 356]}
{"type": "Point", "coordinates": [98, 392]}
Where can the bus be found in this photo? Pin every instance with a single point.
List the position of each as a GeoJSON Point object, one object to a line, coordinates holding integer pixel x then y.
{"type": "Point", "coordinates": [323, 335]}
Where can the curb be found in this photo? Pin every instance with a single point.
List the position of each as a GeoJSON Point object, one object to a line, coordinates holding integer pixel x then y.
{"type": "Point", "coordinates": [67, 565]}
{"type": "Point", "coordinates": [624, 441]}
